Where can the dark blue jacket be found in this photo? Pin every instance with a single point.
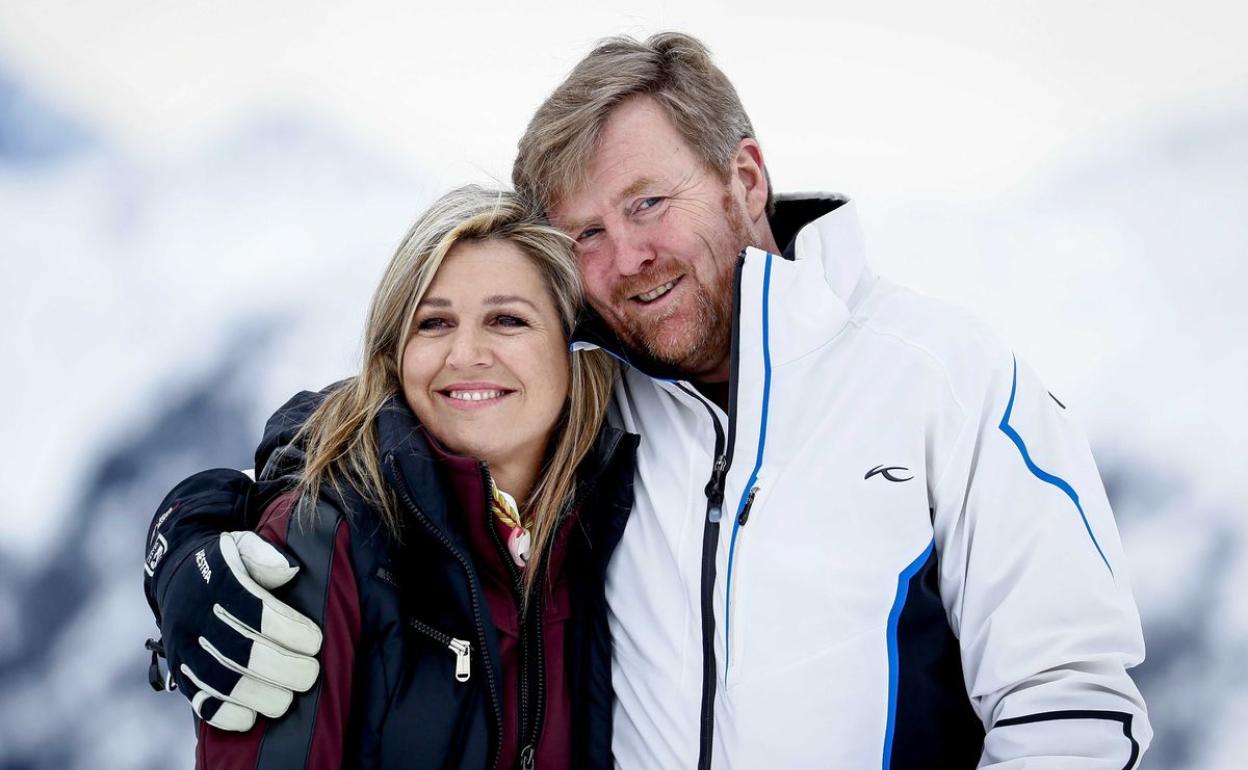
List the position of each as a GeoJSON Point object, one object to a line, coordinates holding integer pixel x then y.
{"type": "Point", "coordinates": [406, 706]}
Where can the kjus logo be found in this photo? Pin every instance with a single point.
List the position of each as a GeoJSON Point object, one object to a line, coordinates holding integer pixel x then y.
{"type": "Point", "coordinates": [889, 472]}
{"type": "Point", "coordinates": [202, 561]}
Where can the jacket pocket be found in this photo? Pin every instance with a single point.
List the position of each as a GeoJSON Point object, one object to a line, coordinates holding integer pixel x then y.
{"type": "Point", "coordinates": [733, 609]}
{"type": "Point", "coordinates": [460, 648]}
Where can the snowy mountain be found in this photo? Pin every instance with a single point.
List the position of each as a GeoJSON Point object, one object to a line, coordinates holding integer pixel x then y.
{"type": "Point", "coordinates": [162, 312]}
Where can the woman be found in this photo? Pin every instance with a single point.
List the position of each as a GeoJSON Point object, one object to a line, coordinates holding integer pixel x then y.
{"type": "Point", "coordinates": [454, 509]}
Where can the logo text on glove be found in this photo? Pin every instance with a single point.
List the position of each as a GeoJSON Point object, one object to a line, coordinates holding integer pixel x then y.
{"type": "Point", "coordinates": [202, 561]}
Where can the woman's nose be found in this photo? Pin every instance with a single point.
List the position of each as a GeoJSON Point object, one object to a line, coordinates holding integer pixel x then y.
{"type": "Point", "coordinates": [468, 349]}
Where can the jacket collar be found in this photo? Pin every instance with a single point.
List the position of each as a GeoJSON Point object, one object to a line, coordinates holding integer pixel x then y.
{"type": "Point", "coordinates": [403, 446]}
{"type": "Point", "coordinates": [795, 211]}
{"type": "Point", "coordinates": [409, 463]}
{"type": "Point", "coordinates": [833, 237]}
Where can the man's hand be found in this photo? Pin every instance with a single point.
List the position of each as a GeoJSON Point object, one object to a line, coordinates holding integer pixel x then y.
{"type": "Point", "coordinates": [233, 648]}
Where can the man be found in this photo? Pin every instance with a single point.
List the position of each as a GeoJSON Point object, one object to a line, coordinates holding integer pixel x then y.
{"type": "Point", "coordinates": [864, 533]}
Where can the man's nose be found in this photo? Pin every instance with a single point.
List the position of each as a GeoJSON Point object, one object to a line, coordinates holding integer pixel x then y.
{"type": "Point", "coordinates": [633, 251]}
{"type": "Point", "coordinates": [469, 348]}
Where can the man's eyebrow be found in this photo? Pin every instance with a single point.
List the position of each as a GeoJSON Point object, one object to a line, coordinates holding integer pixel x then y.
{"type": "Point", "coordinates": [637, 186]}
{"type": "Point", "coordinates": [573, 226]}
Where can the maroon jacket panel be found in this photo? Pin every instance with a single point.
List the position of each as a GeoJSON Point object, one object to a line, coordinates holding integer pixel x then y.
{"type": "Point", "coordinates": [314, 731]}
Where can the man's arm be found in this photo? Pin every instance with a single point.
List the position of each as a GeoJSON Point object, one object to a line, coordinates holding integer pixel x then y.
{"type": "Point", "coordinates": [1035, 584]}
{"type": "Point", "coordinates": [207, 503]}
{"type": "Point", "coordinates": [233, 649]}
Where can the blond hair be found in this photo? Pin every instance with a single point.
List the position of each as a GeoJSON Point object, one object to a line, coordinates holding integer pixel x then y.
{"type": "Point", "coordinates": [672, 68]}
{"type": "Point", "coordinates": [341, 435]}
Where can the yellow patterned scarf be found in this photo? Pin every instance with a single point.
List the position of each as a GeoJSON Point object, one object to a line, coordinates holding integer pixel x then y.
{"type": "Point", "coordinates": [508, 513]}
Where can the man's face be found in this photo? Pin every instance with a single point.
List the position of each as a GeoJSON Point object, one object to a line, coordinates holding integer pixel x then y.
{"type": "Point", "coordinates": [657, 234]}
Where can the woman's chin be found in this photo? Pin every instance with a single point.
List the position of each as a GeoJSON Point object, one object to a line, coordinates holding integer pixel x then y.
{"type": "Point", "coordinates": [489, 445]}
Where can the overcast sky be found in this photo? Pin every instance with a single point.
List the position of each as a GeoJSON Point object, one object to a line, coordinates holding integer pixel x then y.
{"type": "Point", "coordinates": [963, 98]}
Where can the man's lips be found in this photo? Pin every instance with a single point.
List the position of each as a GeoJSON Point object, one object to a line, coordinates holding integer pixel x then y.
{"type": "Point", "coordinates": [657, 292]}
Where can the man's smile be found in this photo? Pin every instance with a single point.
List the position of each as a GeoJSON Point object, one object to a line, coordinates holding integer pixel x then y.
{"type": "Point", "coordinates": [656, 293]}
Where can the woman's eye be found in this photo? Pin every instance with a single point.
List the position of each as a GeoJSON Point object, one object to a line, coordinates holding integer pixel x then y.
{"type": "Point", "coordinates": [510, 321]}
{"type": "Point", "coordinates": [432, 324]}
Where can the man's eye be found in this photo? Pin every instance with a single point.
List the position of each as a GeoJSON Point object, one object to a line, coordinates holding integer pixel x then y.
{"type": "Point", "coordinates": [649, 203]}
{"type": "Point", "coordinates": [588, 233]}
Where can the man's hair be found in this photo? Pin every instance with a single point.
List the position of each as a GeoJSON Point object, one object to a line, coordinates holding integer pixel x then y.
{"type": "Point", "coordinates": [672, 68]}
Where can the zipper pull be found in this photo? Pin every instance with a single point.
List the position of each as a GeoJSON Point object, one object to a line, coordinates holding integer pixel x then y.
{"type": "Point", "coordinates": [463, 659]}
{"type": "Point", "coordinates": [745, 510]}
{"type": "Point", "coordinates": [715, 489]}
{"type": "Point", "coordinates": [528, 757]}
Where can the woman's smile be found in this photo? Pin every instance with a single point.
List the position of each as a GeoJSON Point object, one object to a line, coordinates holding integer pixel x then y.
{"type": "Point", "coordinates": [471, 396]}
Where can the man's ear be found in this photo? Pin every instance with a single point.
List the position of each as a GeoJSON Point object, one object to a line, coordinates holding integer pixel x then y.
{"type": "Point", "coordinates": [751, 173]}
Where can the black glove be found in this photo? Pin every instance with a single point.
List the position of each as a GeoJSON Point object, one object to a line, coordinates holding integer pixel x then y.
{"type": "Point", "coordinates": [233, 648]}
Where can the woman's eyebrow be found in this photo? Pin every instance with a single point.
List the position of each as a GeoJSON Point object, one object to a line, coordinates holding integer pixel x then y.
{"type": "Point", "coordinates": [503, 299]}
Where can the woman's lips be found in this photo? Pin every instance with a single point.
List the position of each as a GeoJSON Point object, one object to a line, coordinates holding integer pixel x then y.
{"type": "Point", "coordinates": [471, 396]}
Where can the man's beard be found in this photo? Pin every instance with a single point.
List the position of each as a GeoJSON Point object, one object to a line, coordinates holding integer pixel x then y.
{"type": "Point", "coordinates": [698, 349]}
{"type": "Point", "coordinates": [699, 346]}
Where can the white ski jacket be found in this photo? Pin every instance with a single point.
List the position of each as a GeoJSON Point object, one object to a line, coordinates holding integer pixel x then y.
{"type": "Point", "coordinates": [893, 551]}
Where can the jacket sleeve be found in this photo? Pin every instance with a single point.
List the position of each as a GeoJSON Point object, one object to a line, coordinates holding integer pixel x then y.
{"type": "Point", "coordinates": [223, 500]}
{"type": "Point", "coordinates": [312, 735]}
{"type": "Point", "coordinates": [1035, 583]}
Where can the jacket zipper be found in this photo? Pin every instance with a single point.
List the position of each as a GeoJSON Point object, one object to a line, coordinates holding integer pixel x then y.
{"type": "Point", "coordinates": [495, 700]}
{"type": "Point", "coordinates": [749, 503]}
{"type": "Point", "coordinates": [528, 754]}
{"type": "Point", "coordinates": [461, 648]}
{"type": "Point", "coordinates": [532, 657]}
{"type": "Point", "coordinates": [710, 532]}
{"type": "Point", "coordinates": [534, 666]}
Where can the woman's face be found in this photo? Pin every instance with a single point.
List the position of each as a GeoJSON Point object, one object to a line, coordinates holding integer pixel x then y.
{"type": "Point", "coordinates": [486, 368]}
